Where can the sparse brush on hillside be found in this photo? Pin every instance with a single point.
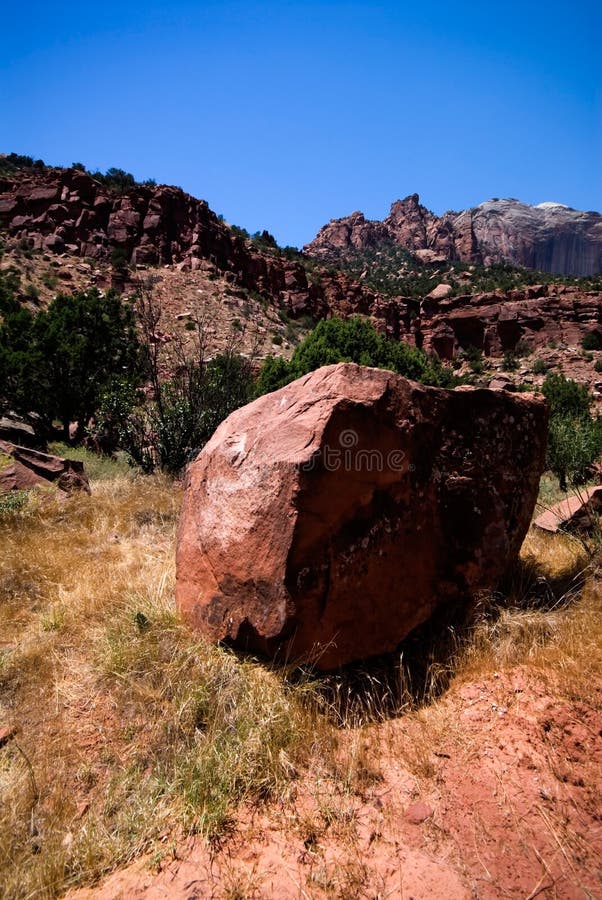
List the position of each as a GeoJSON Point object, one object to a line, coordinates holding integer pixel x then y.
{"type": "Point", "coordinates": [190, 395]}
{"type": "Point", "coordinates": [114, 179]}
{"type": "Point", "coordinates": [392, 270]}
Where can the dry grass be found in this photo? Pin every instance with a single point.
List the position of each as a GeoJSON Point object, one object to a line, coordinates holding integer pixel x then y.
{"type": "Point", "coordinates": [548, 618]}
{"type": "Point", "coordinates": [131, 731]}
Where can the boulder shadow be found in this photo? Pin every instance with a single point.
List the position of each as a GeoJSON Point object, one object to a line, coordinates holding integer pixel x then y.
{"type": "Point", "coordinates": [425, 662]}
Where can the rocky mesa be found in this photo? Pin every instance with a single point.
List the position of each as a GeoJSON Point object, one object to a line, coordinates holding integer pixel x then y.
{"type": "Point", "coordinates": [66, 212]}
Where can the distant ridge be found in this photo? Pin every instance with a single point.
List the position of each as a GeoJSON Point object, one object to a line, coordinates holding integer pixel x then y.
{"type": "Point", "coordinates": [549, 237]}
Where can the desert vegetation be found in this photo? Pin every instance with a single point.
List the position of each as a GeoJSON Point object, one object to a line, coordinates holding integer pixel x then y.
{"type": "Point", "coordinates": [93, 364]}
{"type": "Point", "coordinates": [393, 271]}
{"type": "Point", "coordinates": [115, 179]}
{"type": "Point", "coordinates": [353, 340]}
{"type": "Point", "coordinates": [123, 732]}
{"type": "Point", "coordinates": [575, 436]}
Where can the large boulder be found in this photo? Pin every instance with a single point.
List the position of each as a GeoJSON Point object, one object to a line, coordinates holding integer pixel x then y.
{"type": "Point", "coordinates": [328, 519]}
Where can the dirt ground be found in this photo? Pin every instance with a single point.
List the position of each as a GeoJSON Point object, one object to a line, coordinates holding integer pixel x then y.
{"type": "Point", "coordinates": [504, 803]}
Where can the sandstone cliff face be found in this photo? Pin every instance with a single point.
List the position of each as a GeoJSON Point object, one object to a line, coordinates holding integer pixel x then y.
{"type": "Point", "coordinates": [495, 322]}
{"type": "Point", "coordinates": [549, 237]}
{"type": "Point", "coordinates": [67, 211]}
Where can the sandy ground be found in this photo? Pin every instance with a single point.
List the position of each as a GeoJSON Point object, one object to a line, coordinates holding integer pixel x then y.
{"type": "Point", "coordinates": [504, 803]}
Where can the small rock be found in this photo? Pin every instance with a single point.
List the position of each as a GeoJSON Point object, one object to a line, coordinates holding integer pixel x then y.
{"type": "Point", "coordinates": [7, 733]}
{"type": "Point", "coordinates": [418, 813]}
{"type": "Point", "coordinates": [440, 292]}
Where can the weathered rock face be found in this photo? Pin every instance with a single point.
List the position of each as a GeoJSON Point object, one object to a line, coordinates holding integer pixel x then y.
{"type": "Point", "coordinates": [328, 519]}
{"type": "Point", "coordinates": [494, 322]}
{"type": "Point", "coordinates": [22, 469]}
{"type": "Point", "coordinates": [67, 211]}
{"type": "Point", "coordinates": [549, 237]}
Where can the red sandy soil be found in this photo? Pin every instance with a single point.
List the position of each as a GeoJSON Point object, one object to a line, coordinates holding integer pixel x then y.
{"type": "Point", "coordinates": [493, 792]}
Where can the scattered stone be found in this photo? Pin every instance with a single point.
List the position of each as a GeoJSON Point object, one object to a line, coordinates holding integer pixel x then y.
{"type": "Point", "coordinates": [440, 292]}
{"type": "Point", "coordinates": [22, 469]}
{"type": "Point", "coordinates": [578, 512]}
{"type": "Point", "coordinates": [327, 520]}
{"type": "Point", "coordinates": [501, 383]}
{"type": "Point", "coordinates": [418, 813]}
{"type": "Point", "coordinates": [16, 431]}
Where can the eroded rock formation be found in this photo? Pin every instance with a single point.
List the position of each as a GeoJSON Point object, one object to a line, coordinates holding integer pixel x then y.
{"type": "Point", "coordinates": [67, 211]}
{"type": "Point", "coordinates": [549, 237]}
{"type": "Point", "coordinates": [328, 519]}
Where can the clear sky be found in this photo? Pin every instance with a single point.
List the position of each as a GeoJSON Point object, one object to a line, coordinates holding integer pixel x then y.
{"type": "Point", "coordinates": [286, 114]}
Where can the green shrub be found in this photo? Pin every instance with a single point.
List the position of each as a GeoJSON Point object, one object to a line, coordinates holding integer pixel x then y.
{"type": "Point", "coordinates": [573, 445]}
{"type": "Point", "coordinates": [598, 365]}
{"type": "Point", "coordinates": [510, 361]}
{"type": "Point", "coordinates": [12, 502]}
{"type": "Point", "coordinates": [58, 363]}
{"type": "Point", "coordinates": [565, 396]}
{"type": "Point", "coordinates": [352, 340]}
{"type": "Point", "coordinates": [31, 292]}
{"type": "Point", "coordinates": [539, 367]}
{"type": "Point", "coordinates": [474, 357]}
{"type": "Point", "coordinates": [49, 280]}
{"type": "Point", "coordinates": [523, 348]}
{"type": "Point", "coordinates": [591, 341]}
{"type": "Point", "coordinates": [574, 438]}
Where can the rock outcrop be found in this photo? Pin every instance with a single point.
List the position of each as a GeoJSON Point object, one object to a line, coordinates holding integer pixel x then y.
{"type": "Point", "coordinates": [22, 469]}
{"type": "Point", "coordinates": [328, 519]}
{"type": "Point", "coordinates": [495, 322]}
{"type": "Point", "coordinates": [549, 237]}
{"type": "Point", "coordinates": [67, 211]}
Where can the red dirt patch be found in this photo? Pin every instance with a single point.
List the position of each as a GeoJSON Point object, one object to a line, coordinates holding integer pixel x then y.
{"type": "Point", "coordinates": [510, 778]}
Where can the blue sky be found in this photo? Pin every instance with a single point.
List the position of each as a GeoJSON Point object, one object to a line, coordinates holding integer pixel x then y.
{"type": "Point", "coordinates": [286, 114]}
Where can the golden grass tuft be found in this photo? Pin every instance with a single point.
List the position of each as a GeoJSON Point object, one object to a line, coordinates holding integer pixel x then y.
{"type": "Point", "coordinates": [131, 730]}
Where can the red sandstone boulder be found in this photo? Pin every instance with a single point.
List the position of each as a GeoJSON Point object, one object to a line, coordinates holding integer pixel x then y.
{"type": "Point", "coordinates": [578, 512]}
{"type": "Point", "coordinates": [328, 519]}
{"type": "Point", "coordinates": [22, 469]}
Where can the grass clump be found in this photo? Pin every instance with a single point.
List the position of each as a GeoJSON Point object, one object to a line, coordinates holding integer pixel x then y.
{"type": "Point", "coordinates": [131, 731]}
{"type": "Point", "coordinates": [98, 468]}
